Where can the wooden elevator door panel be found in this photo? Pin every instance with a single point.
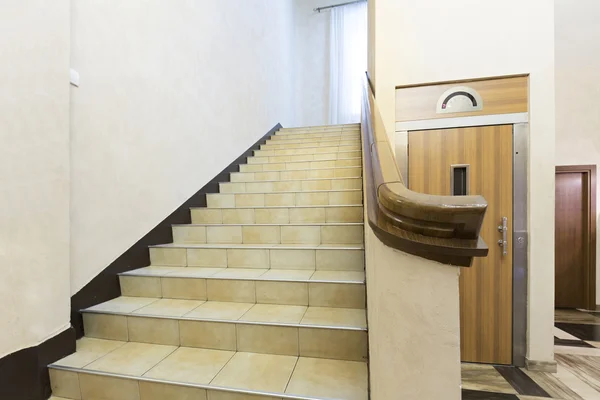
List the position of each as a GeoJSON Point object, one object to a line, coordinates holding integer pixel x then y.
{"type": "Point", "coordinates": [485, 287]}
{"type": "Point", "coordinates": [569, 241]}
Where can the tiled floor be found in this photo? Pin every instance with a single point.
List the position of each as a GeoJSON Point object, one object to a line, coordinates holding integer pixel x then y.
{"type": "Point", "coordinates": [577, 352]}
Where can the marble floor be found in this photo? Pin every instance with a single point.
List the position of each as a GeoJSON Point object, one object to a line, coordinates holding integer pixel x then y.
{"type": "Point", "coordinates": [577, 352]}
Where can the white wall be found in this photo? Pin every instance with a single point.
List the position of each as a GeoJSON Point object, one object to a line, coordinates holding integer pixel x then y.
{"type": "Point", "coordinates": [578, 91]}
{"type": "Point", "coordinates": [422, 42]}
{"type": "Point", "coordinates": [171, 92]}
{"type": "Point", "coordinates": [311, 65]}
{"type": "Point", "coordinates": [34, 171]}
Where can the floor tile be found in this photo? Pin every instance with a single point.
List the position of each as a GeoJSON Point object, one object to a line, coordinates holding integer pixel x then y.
{"type": "Point", "coordinates": [196, 272]}
{"type": "Point", "coordinates": [124, 304]}
{"type": "Point", "coordinates": [190, 365]}
{"type": "Point", "coordinates": [169, 307]}
{"type": "Point", "coordinates": [220, 310]}
{"type": "Point", "coordinates": [132, 358]}
{"type": "Point", "coordinates": [581, 388]}
{"type": "Point", "coordinates": [154, 270]}
{"type": "Point", "coordinates": [586, 368]}
{"type": "Point", "coordinates": [265, 372]}
{"type": "Point", "coordinates": [581, 331]}
{"type": "Point", "coordinates": [162, 391]}
{"type": "Point", "coordinates": [552, 385]}
{"type": "Point", "coordinates": [287, 274]}
{"type": "Point", "coordinates": [571, 342]}
{"type": "Point", "coordinates": [89, 350]}
{"type": "Point", "coordinates": [579, 351]}
{"type": "Point", "coordinates": [329, 378]}
{"type": "Point", "coordinates": [521, 382]}
{"type": "Point", "coordinates": [575, 317]}
{"type": "Point", "coordinates": [339, 276]}
{"type": "Point", "coordinates": [329, 316]}
{"type": "Point", "coordinates": [482, 395]}
{"type": "Point", "coordinates": [274, 313]}
{"type": "Point", "coordinates": [595, 344]}
{"type": "Point", "coordinates": [485, 378]}
{"type": "Point", "coordinates": [100, 387]}
{"type": "Point", "coordinates": [559, 333]}
{"type": "Point", "coordinates": [240, 273]}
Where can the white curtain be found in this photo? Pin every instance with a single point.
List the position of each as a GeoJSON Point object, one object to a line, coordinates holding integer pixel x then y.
{"type": "Point", "coordinates": [348, 62]}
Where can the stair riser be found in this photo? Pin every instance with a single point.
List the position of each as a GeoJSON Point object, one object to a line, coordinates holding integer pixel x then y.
{"type": "Point", "coordinates": [304, 157]}
{"type": "Point", "coordinates": [291, 186]}
{"type": "Point", "coordinates": [339, 344]}
{"type": "Point", "coordinates": [255, 234]}
{"type": "Point", "coordinates": [245, 200]}
{"type": "Point", "coordinates": [311, 150]}
{"type": "Point", "coordinates": [315, 294]}
{"type": "Point", "coordinates": [281, 140]}
{"type": "Point", "coordinates": [316, 136]}
{"type": "Point", "coordinates": [311, 259]}
{"type": "Point", "coordinates": [308, 166]}
{"type": "Point", "coordinates": [284, 132]}
{"type": "Point", "coordinates": [331, 173]}
{"type": "Point", "coordinates": [302, 145]}
{"type": "Point", "coordinates": [277, 215]}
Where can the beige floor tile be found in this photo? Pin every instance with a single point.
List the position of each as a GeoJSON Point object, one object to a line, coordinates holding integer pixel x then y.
{"type": "Point", "coordinates": [169, 307]}
{"type": "Point", "coordinates": [167, 256]}
{"type": "Point", "coordinates": [97, 387]}
{"type": "Point", "coordinates": [250, 371]}
{"type": "Point", "coordinates": [123, 304]}
{"type": "Point", "coordinates": [241, 291]}
{"type": "Point", "coordinates": [132, 358]}
{"type": "Point", "coordinates": [224, 234]}
{"type": "Point", "coordinates": [341, 234]}
{"type": "Point", "coordinates": [261, 234]}
{"type": "Point", "coordinates": [248, 258]}
{"type": "Point", "coordinates": [220, 310]}
{"type": "Point", "coordinates": [65, 383]}
{"type": "Point", "coordinates": [340, 260]}
{"type": "Point", "coordinates": [328, 316]}
{"type": "Point", "coordinates": [212, 258]}
{"type": "Point", "coordinates": [161, 391]}
{"type": "Point", "coordinates": [272, 215]}
{"type": "Point", "coordinates": [338, 276]}
{"type": "Point", "coordinates": [277, 292]}
{"type": "Point", "coordinates": [249, 200]}
{"type": "Point", "coordinates": [238, 216]}
{"type": "Point", "coordinates": [240, 273]}
{"type": "Point", "coordinates": [195, 272]}
{"type": "Point", "coordinates": [274, 313]}
{"type": "Point", "coordinates": [190, 365]}
{"type": "Point", "coordinates": [189, 234]}
{"type": "Point", "coordinates": [312, 199]}
{"type": "Point", "coordinates": [287, 274]}
{"type": "Point", "coordinates": [292, 259]}
{"type": "Point", "coordinates": [232, 187]}
{"type": "Point", "coordinates": [153, 330]}
{"type": "Point", "coordinates": [89, 350]}
{"type": "Point", "coordinates": [140, 286]}
{"type": "Point", "coordinates": [214, 200]}
{"type": "Point", "coordinates": [155, 270]}
{"type": "Point", "coordinates": [184, 288]}
{"type": "Point", "coordinates": [484, 378]}
{"type": "Point", "coordinates": [307, 215]}
{"type": "Point", "coordinates": [222, 395]}
{"type": "Point", "coordinates": [267, 339]}
{"type": "Point", "coordinates": [339, 344]}
{"type": "Point", "coordinates": [206, 216]}
{"type": "Point", "coordinates": [207, 334]}
{"type": "Point", "coordinates": [336, 295]}
{"type": "Point", "coordinates": [57, 398]}
{"type": "Point", "coordinates": [105, 326]}
{"type": "Point", "coordinates": [329, 378]}
{"type": "Point", "coordinates": [300, 234]}
{"type": "Point", "coordinates": [344, 214]}
{"type": "Point", "coordinates": [280, 199]}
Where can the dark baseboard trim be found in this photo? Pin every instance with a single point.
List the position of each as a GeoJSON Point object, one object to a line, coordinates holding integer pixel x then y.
{"type": "Point", "coordinates": [24, 374]}
{"type": "Point", "coordinates": [105, 286]}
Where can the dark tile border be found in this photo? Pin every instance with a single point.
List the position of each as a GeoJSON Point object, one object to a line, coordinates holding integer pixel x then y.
{"type": "Point", "coordinates": [581, 331]}
{"type": "Point", "coordinates": [520, 381]}
{"type": "Point", "coordinates": [24, 374]}
{"type": "Point", "coordinates": [105, 286]}
{"type": "Point", "coordinates": [478, 395]}
{"type": "Point", "coordinates": [571, 343]}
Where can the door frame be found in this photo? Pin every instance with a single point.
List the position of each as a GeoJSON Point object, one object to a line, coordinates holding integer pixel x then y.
{"type": "Point", "coordinates": [589, 171]}
{"type": "Point", "coordinates": [520, 122]}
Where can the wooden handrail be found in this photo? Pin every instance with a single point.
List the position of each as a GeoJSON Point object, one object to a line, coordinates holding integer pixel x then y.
{"type": "Point", "coordinates": [440, 228]}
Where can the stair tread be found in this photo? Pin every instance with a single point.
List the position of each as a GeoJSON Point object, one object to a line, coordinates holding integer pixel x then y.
{"type": "Point", "coordinates": [292, 275]}
{"type": "Point", "coordinates": [287, 224]}
{"type": "Point", "coordinates": [290, 191]}
{"type": "Point", "coordinates": [253, 207]}
{"type": "Point", "coordinates": [235, 312]}
{"type": "Point", "coordinates": [220, 370]}
{"type": "Point", "coordinates": [262, 246]}
{"type": "Point", "coordinates": [295, 180]}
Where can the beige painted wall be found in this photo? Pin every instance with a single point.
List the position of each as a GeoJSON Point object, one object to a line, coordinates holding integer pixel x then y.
{"type": "Point", "coordinates": [422, 42]}
{"type": "Point", "coordinates": [578, 91]}
{"type": "Point", "coordinates": [34, 171]}
{"type": "Point", "coordinates": [171, 92]}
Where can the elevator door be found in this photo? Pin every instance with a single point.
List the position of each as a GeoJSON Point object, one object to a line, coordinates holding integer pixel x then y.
{"type": "Point", "coordinates": [476, 160]}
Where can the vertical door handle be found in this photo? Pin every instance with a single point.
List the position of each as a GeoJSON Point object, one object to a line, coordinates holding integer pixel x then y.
{"type": "Point", "coordinates": [504, 230]}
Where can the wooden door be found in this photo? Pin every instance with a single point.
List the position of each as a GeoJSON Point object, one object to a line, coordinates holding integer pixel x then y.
{"type": "Point", "coordinates": [574, 251]}
{"type": "Point", "coordinates": [485, 287]}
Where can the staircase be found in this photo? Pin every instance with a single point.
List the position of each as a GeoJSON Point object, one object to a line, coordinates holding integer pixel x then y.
{"type": "Point", "coordinates": [261, 297]}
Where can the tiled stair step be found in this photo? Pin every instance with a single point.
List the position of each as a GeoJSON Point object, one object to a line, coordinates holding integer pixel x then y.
{"type": "Point", "coordinates": [317, 127]}
{"type": "Point", "coordinates": [248, 327]}
{"type": "Point", "coordinates": [118, 370]}
{"type": "Point", "coordinates": [313, 234]}
{"type": "Point", "coordinates": [264, 256]}
{"type": "Point", "coordinates": [331, 289]}
{"type": "Point", "coordinates": [292, 175]}
{"type": "Point", "coordinates": [285, 131]}
{"type": "Point", "coordinates": [284, 199]}
{"type": "Point", "coordinates": [302, 165]}
{"type": "Point", "coordinates": [309, 150]}
{"type": "Point", "coordinates": [341, 155]}
{"type": "Point", "coordinates": [269, 145]}
{"type": "Point", "coordinates": [315, 136]}
{"type": "Point", "coordinates": [278, 215]}
{"type": "Point", "coordinates": [291, 185]}
{"type": "Point", "coordinates": [313, 141]}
